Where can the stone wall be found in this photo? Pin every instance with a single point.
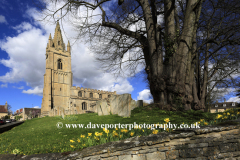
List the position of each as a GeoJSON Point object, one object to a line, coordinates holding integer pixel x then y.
{"type": "Point", "coordinates": [117, 104]}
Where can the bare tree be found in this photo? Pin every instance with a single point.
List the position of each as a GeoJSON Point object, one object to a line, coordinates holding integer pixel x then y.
{"type": "Point", "coordinates": [9, 109]}
{"type": "Point", "coordinates": [184, 45]}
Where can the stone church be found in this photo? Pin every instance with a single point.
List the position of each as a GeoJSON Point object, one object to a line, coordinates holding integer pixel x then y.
{"type": "Point", "coordinates": [59, 96]}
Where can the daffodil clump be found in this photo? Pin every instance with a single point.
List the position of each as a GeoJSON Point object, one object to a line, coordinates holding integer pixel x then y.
{"type": "Point", "coordinates": [229, 114]}
{"type": "Point", "coordinates": [92, 139]}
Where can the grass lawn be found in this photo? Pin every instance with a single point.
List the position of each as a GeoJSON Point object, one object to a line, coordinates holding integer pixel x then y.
{"type": "Point", "coordinates": [40, 135]}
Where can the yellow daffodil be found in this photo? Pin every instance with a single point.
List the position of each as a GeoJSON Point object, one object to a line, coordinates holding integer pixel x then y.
{"type": "Point", "coordinates": [136, 127]}
{"type": "Point", "coordinates": [115, 134]}
{"type": "Point", "coordinates": [106, 131]}
{"type": "Point", "coordinates": [71, 141]}
{"type": "Point", "coordinates": [219, 116]}
{"type": "Point", "coordinates": [166, 120]}
{"type": "Point", "coordinates": [154, 131]}
{"type": "Point", "coordinates": [89, 134]}
{"type": "Point", "coordinates": [96, 133]}
{"type": "Point", "coordinates": [132, 133]}
{"type": "Point", "coordinates": [82, 136]}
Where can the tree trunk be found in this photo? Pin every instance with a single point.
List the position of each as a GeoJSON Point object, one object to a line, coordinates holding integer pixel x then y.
{"type": "Point", "coordinates": [174, 82]}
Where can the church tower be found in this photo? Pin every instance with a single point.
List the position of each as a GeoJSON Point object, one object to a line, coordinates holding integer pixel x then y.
{"type": "Point", "coordinates": [58, 74]}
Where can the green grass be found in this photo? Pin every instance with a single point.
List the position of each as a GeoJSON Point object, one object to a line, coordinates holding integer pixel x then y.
{"type": "Point", "coordinates": [40, 135]}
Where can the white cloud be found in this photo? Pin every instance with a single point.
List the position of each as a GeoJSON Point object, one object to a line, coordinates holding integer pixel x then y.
{"type": "Point", "coordinates": [21, 87]}
{"type": "Point", "coordinates": [36, 107]}
{"type": "Point", "coordinates": [26, 52]}
{"type": "Point", "coordinates": [23, 27]}
{"type": "Point", "coordinates": [145, 95]}
{"type": "Point", "coordinates": [234, 99]}
{"type": "Point", "coordinates": [36, 90]}
{"type": "Point", "coordinates": [4, 85]}
{"type": "Point", "coordinates": [27, 59]}
{"type": "Point", "coordinates": [2, 19]}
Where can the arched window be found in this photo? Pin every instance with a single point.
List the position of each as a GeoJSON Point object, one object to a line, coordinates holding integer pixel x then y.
{"type": "Point", "coordinates": [109, 96]}
{"type": "Point", "coordinates": [59, 64]}
{"type": "Point", "coordinates": [100, 95]}
{"type": "Point", "coordinates": [84, 106]}
{"type": "Point", "coordinates": [91, 95]}
{"type": "Point", "coordinates": [79, 94]}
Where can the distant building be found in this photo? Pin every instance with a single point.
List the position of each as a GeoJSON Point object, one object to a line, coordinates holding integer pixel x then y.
{"type": "Point", "coordinates": [3, 110]}
{"type": "Point", "coordinates": [26, 113]}
{"type": "Point", "coordinates": [221, 107]}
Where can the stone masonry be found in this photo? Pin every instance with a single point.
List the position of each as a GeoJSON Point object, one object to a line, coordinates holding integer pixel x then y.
{"type": "Point", "coordinates": [117, 104]}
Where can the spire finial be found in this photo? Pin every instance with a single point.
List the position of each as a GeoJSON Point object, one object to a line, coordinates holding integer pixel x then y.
{"type": "Point", "coordinates": [50, 37]}
{"type": "Point", "coordinates": [68, 47]}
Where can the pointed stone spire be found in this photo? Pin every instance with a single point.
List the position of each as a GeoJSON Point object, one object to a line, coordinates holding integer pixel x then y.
{"type": "Point", "coordinates": [50, 37]}
{"type": "Point", "coordinates": [50, 42]}
{"type": "Point", "coordinates": [69, 47]}
{"type": "Point", "coordinates": [58, 40]}
{"type": "Point", "coordinates": [6, 105]}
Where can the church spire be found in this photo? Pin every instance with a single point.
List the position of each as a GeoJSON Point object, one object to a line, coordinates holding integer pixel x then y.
{"type": "Point", "coordinates": [68, 47]}
{"type": "Point", "coordinates": [58, 40]}
{"type": "Point", "coordinates": [50, 37]}
{"type": "Point", "coordinates": [50, 43]}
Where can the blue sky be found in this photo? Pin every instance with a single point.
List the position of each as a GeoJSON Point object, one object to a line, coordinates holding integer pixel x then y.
{"type": "Point", "coordinates": [23, 41]}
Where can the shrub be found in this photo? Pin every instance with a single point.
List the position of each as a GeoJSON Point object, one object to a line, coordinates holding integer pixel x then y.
{"type": "Point", "coordinates": [18, 117]}
{"type": "Point", "coordinates": [7, 117]}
